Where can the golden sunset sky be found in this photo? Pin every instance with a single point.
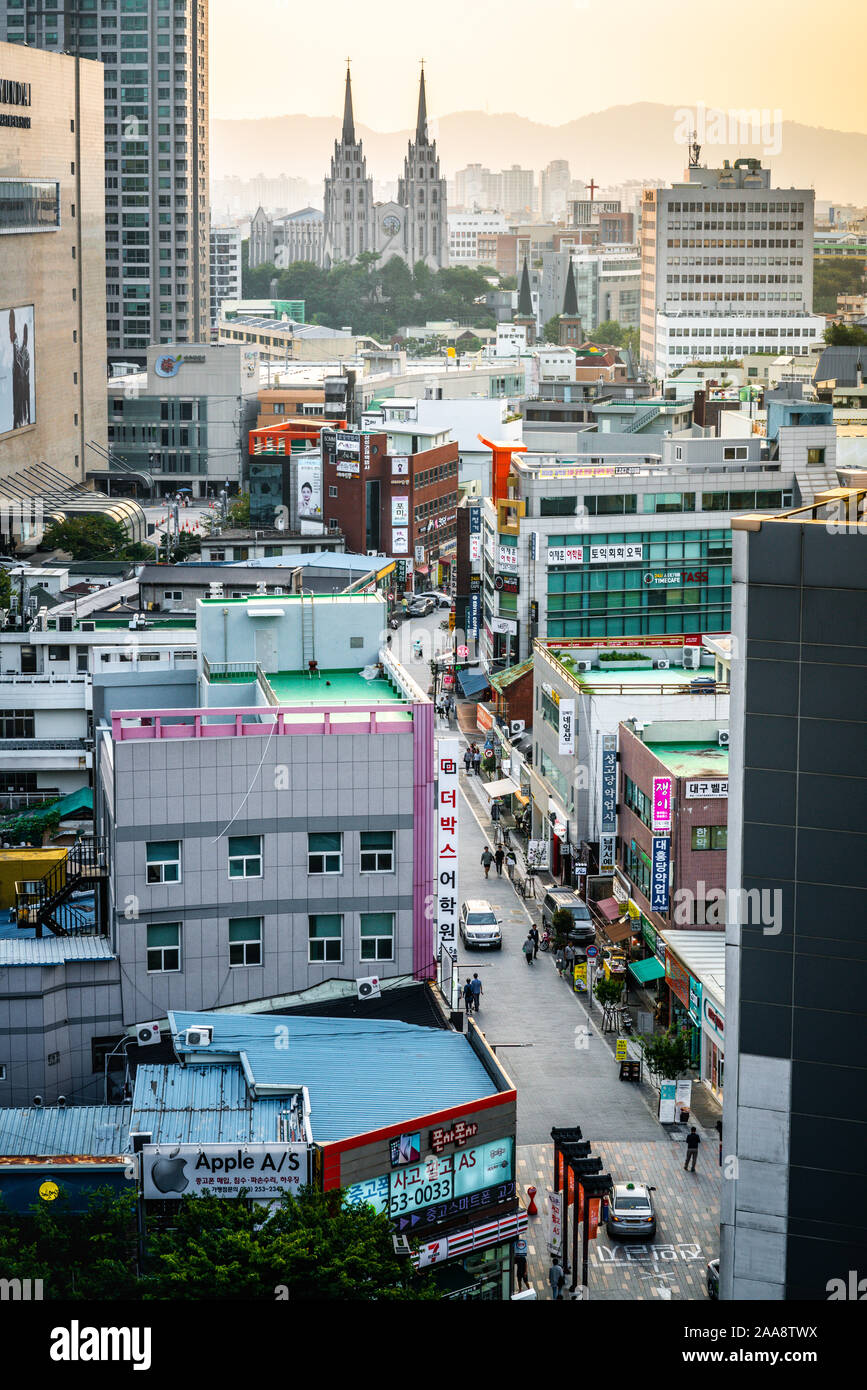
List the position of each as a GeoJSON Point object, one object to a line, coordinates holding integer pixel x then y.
{"type": "Point", "coordinates": [552, 60]}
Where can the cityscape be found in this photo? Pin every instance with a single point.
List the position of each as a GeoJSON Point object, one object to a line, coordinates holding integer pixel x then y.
{"type": "Point", "coordinates": [369, 925]}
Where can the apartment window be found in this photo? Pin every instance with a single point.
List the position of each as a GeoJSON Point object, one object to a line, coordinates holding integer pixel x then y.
{"type": "Point", "coordinates": [816, 456]}
{"type": "Point", "coordinates": [325, 853]}
{"type": "Point", "coordinates": [709, 837]}
{"type": "Point", "coordinates": [377, 851]}
{"type": "Point", "coordinates": [735, 452]}
{"type": "Point", "coordinates": [377, 936]}
{"type": "Point", "coordinates": [17, 723]}
{"type": "Point", "coordinates": [163, 947]}
{"type": "Point", "coordinates": [557, 506]}
{"type": "Point", "coordinates": [325, 937]}
{"type": "Point", "coordinates": [245, 940]}
{"type": "Point", "coordinates": [245, 856]}
{"type": "Point", "coordinates": [58, 653]}
{"type": "Point", "coordinates": [164, 861]}
{"type": "Point", "coordinates": [172, 595]}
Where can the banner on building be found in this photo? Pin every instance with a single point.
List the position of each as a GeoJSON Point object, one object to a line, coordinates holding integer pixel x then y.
{"type": "Point", "coordinates": [400, 540]}
{"type": "Point", "coordinates": [565, 555]}
{"type": "Point", "coordinates": [661, 804]}
{"type": "Point", "coordinates": [507, 558]}
{"type": "Point", "coordinates": [715, 790]}
{"type": "Point", "coordinates": [659, 871]}
{"type": "Point", "coordinates": [608, 809]}
{"type": "Point", "coordinates": [475, 552]}
{"type": "Point", "coordinates": [447, 844]}
{"type": "Point", "coordinates": [567, 728]}
{"type": "Point", "coordinates": [607, 845]}
{"type": "Point", "coordinates": [555, 1222]}
{"type": "Point", "coordinates": [399, 466]}
{"type": "Point", "coordinates": [400, 511]}
{"type": "Point", "coordinates": [309, 473]}
{"type": "Point", "coordinates": [266, 1171]}
{"type": "Point", "coordinates": [475, 521]}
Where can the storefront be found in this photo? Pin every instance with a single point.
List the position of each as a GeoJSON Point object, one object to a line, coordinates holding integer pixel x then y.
{"type": "Point", "coordinates": [678, 980]}
{"type": "Point", "coordinates": [713, 1044]}
{"type": "Point", "coordinates": [695, 976]}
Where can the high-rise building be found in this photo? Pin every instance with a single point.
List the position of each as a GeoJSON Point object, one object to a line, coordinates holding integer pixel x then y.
{"type": "Point", "coordinates": [795, 1108]}
{"type": "Point", "coordinates": [155, 54]}
{"type": "Point", "coordinates": [225, 268]}
{"type": "Point", "coordinates": [726, 267]}
{"type": "Point", "coordinates": [52, 271]}
{"type": "Point", "coordinates": [517, 191]}
{"type": "Point", "coordinates": [554, 183]}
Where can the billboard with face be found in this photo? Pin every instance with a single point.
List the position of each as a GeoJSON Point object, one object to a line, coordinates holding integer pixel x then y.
{"type": "Point", "coordinates": [309, 489]}
{"type": "Point", "coordinates": [17, 369]}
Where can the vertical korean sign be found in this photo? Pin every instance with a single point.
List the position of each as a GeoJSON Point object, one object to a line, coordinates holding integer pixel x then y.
{"type": "Point", "coordinates": [608, 804]}
{"type": "Point", "coordinates": [447, 844]}
{"type": "Point", "coordinates": [555, 1221]}
{"type": "Point", "coordinates": [661, 805]}
{"type": "Point", "coordinates": [567, 727]}
{"type": "Point", "coordinates": [659, 872]}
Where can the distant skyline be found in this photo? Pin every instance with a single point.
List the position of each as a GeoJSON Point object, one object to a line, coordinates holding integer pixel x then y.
{"type": "Point", "coordinates": [552, 63]}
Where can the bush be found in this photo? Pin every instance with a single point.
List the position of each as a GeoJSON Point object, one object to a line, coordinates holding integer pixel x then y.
{"type": "Point", "coordinates": [608, 991]}
{"type": "Point", "coordinates": [562, 923]}
{"type": "Point", "coordinates": [622, 656]}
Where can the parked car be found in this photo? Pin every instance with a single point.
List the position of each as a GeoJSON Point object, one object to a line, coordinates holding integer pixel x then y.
{"type": "Point", "coordinates": [583, 932]}
{"type": "Point", "coordinates": [631, 1213]}
{"type": "Point", "coordinates": [420, 606]}
{"type": "Point", "coordinates": [443, 600]}
{"type": "Point", "coordinates": [480, 926]}
{"type": "Point", "coordinates": [712, 1279]}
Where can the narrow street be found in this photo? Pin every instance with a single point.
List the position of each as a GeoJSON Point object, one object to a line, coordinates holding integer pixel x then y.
{"type": "Point", "coordinates": [566, 1074]}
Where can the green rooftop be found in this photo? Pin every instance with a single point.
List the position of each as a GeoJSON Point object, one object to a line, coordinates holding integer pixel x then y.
{"type": "Point", "coordinates": [333, 687]}
{"type": "Point", "coordinates": [115, 624]}
{"type": "Point", "coordinates": [692, 759]}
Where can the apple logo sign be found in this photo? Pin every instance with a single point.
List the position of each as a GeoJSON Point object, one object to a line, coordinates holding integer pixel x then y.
{"type": "Point", "coordinates": [167, 1174]}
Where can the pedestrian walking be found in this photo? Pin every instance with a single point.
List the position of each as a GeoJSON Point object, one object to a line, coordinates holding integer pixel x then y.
{"type": "Point", "coordinates": [477, 761]}
{"type": "Point", "coordinates": [556, 1278]}
{"type": "Point", "coordinates": [718, 1128]}
{"type": "Point", "coordinates": [476, 987]}
{"type": "Point", "coordinates": [527, 948]}
{"type": "Point", "coordinates": [521, 1264]}
{"type": "Point", "coordinates": [468, 995]}
{"type": "Point", "coordinates": [569, 956]}
{"type": "Point", "coordinates": [534, 936]}
{"type": "Point", "coordinates": [468, 760]}
{"type": "Point", "coordinates": [487, 860]}
{"type": "Point", "coordinates": [499, 856]}
{"type": "Point", "coordinates": [693, 1139]}
{"type": "Point", "coordinates": [496, 811]}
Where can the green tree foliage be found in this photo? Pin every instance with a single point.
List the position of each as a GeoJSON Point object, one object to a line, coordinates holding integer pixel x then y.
{"type": "Point", "coordinates": [562, 922]}
{"type": "Point", "coordinates": [78, 1255]}
{"type": "Point", "coordinates": [614, 334]}
{"type": "Point", "coordinates": [5, 588]}
{"type": "Point", "coordinates": [833, 275]}
{"type": "Point", "coordinates": [377, 299]}
{"type": "Point", "coordinates": [94, 538]}
{"type": "Point", "coordinates": [552, 330]}
{"type": "Point", "coordinates": [845, 335]}
{"type": "Point", "coordinates": [667, 1054]}
{"type": "Point", "coordinates": [608, 991]}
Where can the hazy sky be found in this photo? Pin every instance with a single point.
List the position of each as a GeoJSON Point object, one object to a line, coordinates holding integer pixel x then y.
{"type": "Point", "coordinates": [551, 60]}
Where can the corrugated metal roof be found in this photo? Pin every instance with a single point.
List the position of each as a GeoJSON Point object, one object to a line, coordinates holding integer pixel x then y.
{"type": "Point", "coordinates": [54, 950]}
{"type": "Point", "coordinates": [56, 1130]}
{"type": "Point", "coordinates": [502, 679]}
{"type": "Point", "coordinates": [360, 1074]}
{"type": "Point", "coordinates": [703, 954]}
{"type": "Point", "coordinates": [202, 1104]}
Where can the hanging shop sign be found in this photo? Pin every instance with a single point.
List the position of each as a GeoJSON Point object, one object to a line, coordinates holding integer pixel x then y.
{"type": "Point", "coordinates": [507, 558]}
{"type": "Point", "coordinates": [677, 978]}
{"type": "Point", "coordinates": [608, 808]}
{"type": "Point", "coordinates": [662, 804]}
{"type": "Point", "coordinates": [694, 1005]}
{"type": "Point", "coordinates": [264, 1171]}
{"type": "Point", "coordinates": [659, 872]}
{"type": "Point", "coordinates": [607, 847]}
{"type": "Point", "coordinates": [447, 845]}
{"type": "Point", "coordinates": [567, 728]}
{"type": "Point", "coordinates": [716, 790]}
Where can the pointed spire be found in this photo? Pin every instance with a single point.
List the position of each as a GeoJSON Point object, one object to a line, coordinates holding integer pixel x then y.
{"type": "Point", "coordinates": [525, 301]}
{"type": "Point", "coordinates": [348, 120]}
{"type": "Point", "coordinates": [570, 297]}
{"type": "Point", "coordinates": [421, 123]}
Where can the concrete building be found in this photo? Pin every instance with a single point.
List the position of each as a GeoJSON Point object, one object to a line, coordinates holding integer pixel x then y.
{"type": "Point", "coordinates": [606, 285]}
{"type": "Point", "coordinates": [280, 241]}
{"type": "Point", "coordinates": [52, 269]}
{"type": "Point", "coordinates": [181, 423]}
{"type": "Point", "coordinates": [554, 182]}
{"type": "Point", "coordinates": [464, 231]}
{"type": "Point", "coordinates": [156, 159]}
{"type": "Point", "coordinates": [795, 1113]}
{"type": "Point", "coordinates": [225, 268]}
{"type": "Point", "coordinates": [743, 288]}
{"type": "Point", "coordinates": [516, 191]}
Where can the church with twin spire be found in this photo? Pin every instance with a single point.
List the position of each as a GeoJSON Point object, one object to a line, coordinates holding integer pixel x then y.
{"type": "Point", "coordinates": [414, 227]}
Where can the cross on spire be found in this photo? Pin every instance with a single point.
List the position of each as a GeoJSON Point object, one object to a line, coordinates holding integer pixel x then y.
{"type": "Point", "coordinates": [593, 185]}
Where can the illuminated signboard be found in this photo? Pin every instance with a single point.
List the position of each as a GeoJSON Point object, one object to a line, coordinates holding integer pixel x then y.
{"type": "Point", "coordinates": [428, 1190]}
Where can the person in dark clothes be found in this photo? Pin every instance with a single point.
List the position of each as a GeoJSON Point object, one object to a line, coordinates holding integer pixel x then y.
{"type": "Point", "coordinates": [693, 1139]}
{"type": "Point", "coordinates": [477, 761]}
{"type": "Point", "coordinates": [499, 856]}
{"type": "Point", "coordinates": [534, 937]}
{"type": "Point", "coordinates": [527, 948]}
{"type": "Point", "coordinates": [719, 1132]}
{"type": "Point", "coordinates": [521, 1264]}
{"type": "Point", "coordinates": [468, 995]}
{"type": "Point", "coordinates": [468, 760]}
{"type": "Point", "coordinates": [476, 987]}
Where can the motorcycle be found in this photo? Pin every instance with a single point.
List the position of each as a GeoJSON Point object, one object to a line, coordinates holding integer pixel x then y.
{"type": "Point", "coordinates": [547, 941]}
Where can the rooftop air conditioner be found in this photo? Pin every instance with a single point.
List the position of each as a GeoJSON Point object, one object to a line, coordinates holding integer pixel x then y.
{"type": "Point", "coordinates": [147, 1034]}
{"type": "Point", "coordinates": [663, 664]}
{"type": "Point", "coordinates": [583, 665]}
{"type": "Point", "coordinates": [88, 627]}
{"type": "Point", "coordinates": [722, 738]}
{"type": "Point", "coordinates": [691, 658]}
{"type": "Point", "coordinates": [199, 1037]}
{"type": "Point", "coordinates": [517, 726]}
{"type": "Point", "coordinates": [367, 987]}
{"type": "Point", "coordinates": [215, 589]}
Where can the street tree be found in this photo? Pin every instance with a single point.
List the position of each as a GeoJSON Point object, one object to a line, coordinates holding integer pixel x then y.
{"type": "Point", "coordinates": [667, 1054]}
{"type": "Point", "coordinates": [94, 538]}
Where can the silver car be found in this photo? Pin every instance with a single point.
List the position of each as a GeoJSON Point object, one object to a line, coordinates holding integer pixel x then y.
{"type": "Point", "coordinates": [480, 925]}
{"type": "Point", "coordinates": [631, 1215]}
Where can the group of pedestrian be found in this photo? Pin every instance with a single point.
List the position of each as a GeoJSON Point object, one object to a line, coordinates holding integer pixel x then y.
{"type": "Point", "coordinates": [472, 993]}
{"type": "Point", "coordinates": [531, 945]}
{"type": "Point", "coordinates": [446, 707]}
{"type": "Point", "coordinates": [498, 858]}
{"type": "Point", "coordinates": [473, 760]}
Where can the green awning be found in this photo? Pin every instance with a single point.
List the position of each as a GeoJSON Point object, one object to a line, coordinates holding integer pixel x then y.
{"type": "Point", "coordinates": [647, 970]}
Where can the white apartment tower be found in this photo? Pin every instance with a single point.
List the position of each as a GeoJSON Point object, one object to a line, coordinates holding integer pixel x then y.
{"type": "Point", "coordinates": [225, 268]}
{"type": "Point", "coordinates": [155, 55]}
{"type": "Point", "coordinates": [726, 267]}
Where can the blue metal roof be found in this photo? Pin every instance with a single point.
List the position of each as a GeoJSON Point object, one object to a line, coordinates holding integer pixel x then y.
{"type": "Point", "coordinates": [202, 1104]}
{"type": "Point", "coordinates": [361, 1074]}
{"type": "Point", "coordinates": [53, 950]}
{"type": "Point", "coordinates": [56, 1130]}
{"type": "Point", "coordinates": [472, 682]}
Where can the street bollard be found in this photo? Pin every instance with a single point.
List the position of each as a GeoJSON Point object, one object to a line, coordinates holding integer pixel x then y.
{"type": "Point", "coordinates": [532, 1209]}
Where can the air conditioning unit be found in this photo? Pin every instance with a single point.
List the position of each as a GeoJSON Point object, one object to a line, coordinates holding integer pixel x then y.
{"type": "Point", "coordinates": [88, 627]}
{"type": "Point", "coordinates": [662, 664]}
{"type": "Point", "coordinates": [215, 589]}
{"type": "Point", "coordinates": [722, 738]}
{"type": "Point", "coordinates": [691, 658]}
{"type": "Point", "coordinates": [583, 665]}
{"type": "Point", "coordinates": [372, 552]}
{"type": "Point", "coordinates": [147, 1034]}
{"type": "Point", "coordinates": [517, 726]}
{"type": "Point", "coordinates": [65, 623]}
{"type": "Point", "coordinates": [199, 1037]}
{"type": "Point", "coordinates": [367, 987]}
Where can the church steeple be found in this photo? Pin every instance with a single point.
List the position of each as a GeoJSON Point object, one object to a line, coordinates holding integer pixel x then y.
{"type": "Point", "coordinates": [421, 122]}
{"type": "Point", "coordinates": [570, 334]}
{"type": "Point", "coordinates": [348, 119]}
{"type": "Point", "coordinates": [525, 316]}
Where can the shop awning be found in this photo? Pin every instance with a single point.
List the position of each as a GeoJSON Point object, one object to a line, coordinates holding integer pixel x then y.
{"type": "Point", "coordinates": [472, 683]}
{"type": "Point", "coordinates": [647, 970]}
{"type": "Point", "coordinates": [505, 787]}
{"type": "Point", "coordinates": [524, 800]}
{"type": "Point", "coordinates": [609, 908]}
{"type": "Point", "coordinates": [618, 931]}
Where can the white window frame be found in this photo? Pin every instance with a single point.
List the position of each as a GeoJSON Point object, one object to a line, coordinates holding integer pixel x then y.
{"type": "Point", "coordinates": [245, 964]}
{"type": "Point", "coordinates": [326, 959]}
{"type": "Point", "coordinates": [173, 595]}
{"type": "Point", "coordinates": [324, 855]}
{"type": "Point", "coordinates": [162, 969]}
{"type": "Point", "coordinates": [377, 867]}
{"type": "Point", "coordinates": [365, 940]}
{"type": "Point", "coordinates": [244, 859]}
{"type": "Point", "coordinates": [161, 863]}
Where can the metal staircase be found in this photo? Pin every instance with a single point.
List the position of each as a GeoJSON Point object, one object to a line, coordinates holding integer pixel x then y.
{"type": "Point", "coordinates": [44, 902]}
{"type": "Point", "coordinates": [639, 421]}
{"type": "Point", "coordinates": [308, 633]}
